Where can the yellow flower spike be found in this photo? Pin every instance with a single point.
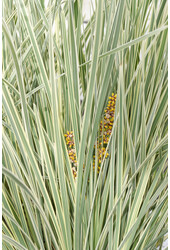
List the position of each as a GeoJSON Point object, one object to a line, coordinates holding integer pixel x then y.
{"type": "Point", "coordinates": [105, 129]}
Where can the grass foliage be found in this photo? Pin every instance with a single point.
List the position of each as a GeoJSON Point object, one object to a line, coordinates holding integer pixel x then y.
{"type": "Point", "coordinates": [58, 74]}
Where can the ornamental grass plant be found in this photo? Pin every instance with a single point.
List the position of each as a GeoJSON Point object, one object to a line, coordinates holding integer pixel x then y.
{"type": "Point", "coordinates": [85, 124]}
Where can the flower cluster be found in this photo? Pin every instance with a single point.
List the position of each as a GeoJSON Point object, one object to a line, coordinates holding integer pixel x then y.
{"type": "Point", "coordinates": [69, 139]}
{"type": "Point", "coordinates": [105, 131]}
{"type": "Point", "coordinates": [107, 123]}
{"type": "Point", "coordinates": [71, 151]}
{"type": "Point", "coordinates": [101, 153]}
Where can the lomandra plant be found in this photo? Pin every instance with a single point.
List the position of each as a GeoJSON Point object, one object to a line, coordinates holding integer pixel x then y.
{"type": "Point", "coordinates": [83, 168]}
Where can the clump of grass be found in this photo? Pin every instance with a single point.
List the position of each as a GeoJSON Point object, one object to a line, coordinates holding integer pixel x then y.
{"type": "Point", "coordinates": [104, 184]}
